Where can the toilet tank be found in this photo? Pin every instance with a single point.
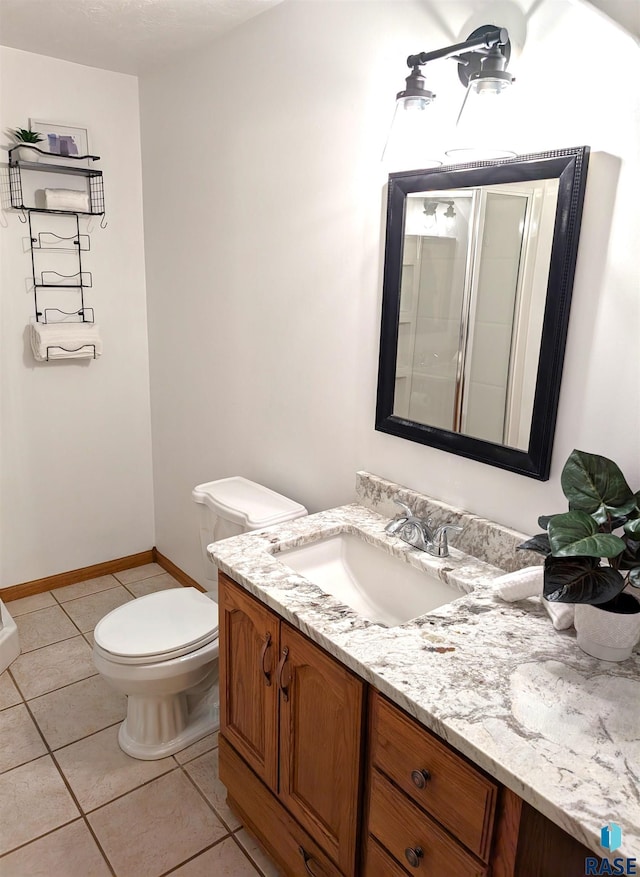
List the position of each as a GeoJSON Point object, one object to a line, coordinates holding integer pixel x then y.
{"type": "Point", "coordinates": [231, 506]}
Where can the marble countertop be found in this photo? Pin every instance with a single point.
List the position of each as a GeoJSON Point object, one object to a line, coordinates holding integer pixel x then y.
{"type": "Point", "coordinates": [494, 679]}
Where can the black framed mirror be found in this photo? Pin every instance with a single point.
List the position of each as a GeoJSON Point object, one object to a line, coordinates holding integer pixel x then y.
{"type": "Point", "coordinates": [478, 277]}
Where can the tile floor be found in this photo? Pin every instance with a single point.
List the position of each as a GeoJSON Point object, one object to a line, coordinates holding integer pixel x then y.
{"type": "Point", "coordinates": [72, 804]}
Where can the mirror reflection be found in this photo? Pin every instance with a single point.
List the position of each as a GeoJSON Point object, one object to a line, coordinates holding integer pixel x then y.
{"type": "Point", "coordinates": [475, 265]}
{"type": "Point", "coordinates": [478, 276]}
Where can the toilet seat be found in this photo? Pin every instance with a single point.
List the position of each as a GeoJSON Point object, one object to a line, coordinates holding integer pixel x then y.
{"type": "Point", "coordinates": [158, 627]}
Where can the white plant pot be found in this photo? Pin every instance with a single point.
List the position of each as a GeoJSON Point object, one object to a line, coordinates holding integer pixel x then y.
{"type": "Point", "coordinates": [609, 636]}
{"type": "Point", "coordinates": [28, 153]}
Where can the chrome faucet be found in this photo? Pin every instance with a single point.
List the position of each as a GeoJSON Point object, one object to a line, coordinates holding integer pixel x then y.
{"type": "Point", "coordinates": [417, 532]}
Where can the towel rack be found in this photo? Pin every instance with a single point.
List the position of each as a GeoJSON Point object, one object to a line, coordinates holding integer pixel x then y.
{"type": "Point", "coordinates": [50, 347]}
{"type": "Point", "coordinates": [85, 315]}
{"type": "Point", "coordinates": [47, 280]}
{"type": "Point", "coordinates": [48, 240]}
{"type": "Point", "coordinates": [70, 286]}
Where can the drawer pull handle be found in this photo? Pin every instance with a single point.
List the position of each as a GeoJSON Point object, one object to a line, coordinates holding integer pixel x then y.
{"type": "Point", "coordinates": [413, 856]}
{"type": "Point", "coordinates": [306, 858]}
{"type": "Point", "coordinates": [420, 778]}
{"type": "Point", "coordinates": [265, 648]}
{"type": "Point", "coordinates": [283, 688]}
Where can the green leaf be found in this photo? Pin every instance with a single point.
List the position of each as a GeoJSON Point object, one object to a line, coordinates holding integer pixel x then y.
{"type": "Point", "coordinates": [539, 543]}
{"type": "Point", "coordinates": [614, 517]}
{"type": "Point", "coordinates": [632, 528]}
{"type": "Point", "coordinates": [630, 557]}
{"type": "Point", "coordinates": [543, 521]}
{"type": "Point", "coordinates": [26, 135]}
{"type": "Point", "coordinates": [595, 484]}
{"type": "Point", "coordinates": [576, 534]}
{"type": "Point", "coordinates": [580, 580]}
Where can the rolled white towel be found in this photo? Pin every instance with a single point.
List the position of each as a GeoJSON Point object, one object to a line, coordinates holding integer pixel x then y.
{"type": "Point", "coordinates": [65, 341]}
{"type": "Point", "coordinates": [527, 582]}
{"type": "Point", "coordinates": [561, 614]}
{"type": "Point", "coordinates": [66, 199]}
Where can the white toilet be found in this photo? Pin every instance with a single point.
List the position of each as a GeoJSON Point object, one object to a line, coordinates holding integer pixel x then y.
{"type": "Point", "coordinates": [162, 650]}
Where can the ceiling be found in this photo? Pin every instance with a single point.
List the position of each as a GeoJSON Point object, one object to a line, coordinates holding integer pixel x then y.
{"type": "Point", "coordinates": [129, 36]}
{"type": "Point", "coordinates": [133, 36]}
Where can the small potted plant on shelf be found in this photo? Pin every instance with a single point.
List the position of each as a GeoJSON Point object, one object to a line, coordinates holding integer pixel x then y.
{"type": "Point", "coordinates": [24, 137]}
{"type": "Point", "coordinates": [587, 562]}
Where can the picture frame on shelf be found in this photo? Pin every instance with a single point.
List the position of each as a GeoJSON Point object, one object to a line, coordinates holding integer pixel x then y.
{"type": "Point", "coordinates": [61, 142]}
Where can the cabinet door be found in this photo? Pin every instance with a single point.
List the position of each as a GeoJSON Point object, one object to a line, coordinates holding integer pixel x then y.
{"type": "Point", "coordinates": [320, 745]}
{"type": "Point", "coordinates": [248, 693]}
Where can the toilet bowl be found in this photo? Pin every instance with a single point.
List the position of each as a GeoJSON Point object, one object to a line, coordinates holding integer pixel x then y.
{"type": "Point", "coordinates": [161, 650]}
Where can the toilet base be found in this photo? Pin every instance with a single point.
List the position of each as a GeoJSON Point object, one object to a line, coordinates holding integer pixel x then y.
{"type": "Point", "coordinates": [158, 727]}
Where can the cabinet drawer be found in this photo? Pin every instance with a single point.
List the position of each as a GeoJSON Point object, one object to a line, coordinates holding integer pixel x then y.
{"type": "Point", "coordinates": [403, 829]}
{"type": "Point", "coordinates": [437, 779]}
{"type": "Point", "coordinates": [379, 863]}
{"type": "Point", "coordinates": [262, 813]}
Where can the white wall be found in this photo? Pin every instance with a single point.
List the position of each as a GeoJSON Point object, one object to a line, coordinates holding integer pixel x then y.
{"type": "Point", "coordinates": [264, 218]}
{"type": "Point", "coordinates": [76, 445]}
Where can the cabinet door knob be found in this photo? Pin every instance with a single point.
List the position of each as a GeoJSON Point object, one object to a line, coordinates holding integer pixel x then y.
{"type": "Point", "coordinates": [283, 688]}
{"type": "Point", "coordinates": [265, 648]}
{"type": "Point", "coordinates": [306, 858]}
{"type": "Point", "coordinates": [413, 856]}
{"type": "Point", "coordinates": [419, 778]}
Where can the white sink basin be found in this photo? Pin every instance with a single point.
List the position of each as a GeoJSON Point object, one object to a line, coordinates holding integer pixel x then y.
{"type": "Point", "coordinates": [376, 585]}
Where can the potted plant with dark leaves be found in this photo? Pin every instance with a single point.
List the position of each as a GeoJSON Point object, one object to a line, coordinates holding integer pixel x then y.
{"type": "Point", "coordinates": [26, 139]}
{"type": "Point", "coordinates": [592, 553]}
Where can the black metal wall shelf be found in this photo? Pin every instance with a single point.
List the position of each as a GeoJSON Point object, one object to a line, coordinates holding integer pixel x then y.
{"type": "Point", "coordinates": [92, 175]}
{"type": "Point", "coordinates": [69, 240]}
{"type": "Point", "coordinates": [74, 159]}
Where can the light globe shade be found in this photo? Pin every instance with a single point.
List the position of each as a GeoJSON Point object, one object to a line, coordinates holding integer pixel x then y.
{"type": "Point", "coordinates": [484, 130]}
{"type": "Point", "coordinates": [412, 143]}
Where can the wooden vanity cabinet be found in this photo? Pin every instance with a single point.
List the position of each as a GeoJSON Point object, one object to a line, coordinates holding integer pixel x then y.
{"type": "Point", "coordinates": [294, 716]}
{"type": "Point", "coordinates": [292, 739]}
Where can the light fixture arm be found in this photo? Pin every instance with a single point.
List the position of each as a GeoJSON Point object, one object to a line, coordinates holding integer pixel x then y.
{"type": "Point", "coordinates": [485, 40]}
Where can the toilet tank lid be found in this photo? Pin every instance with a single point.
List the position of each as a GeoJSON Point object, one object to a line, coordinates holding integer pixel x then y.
{"type": "Point", "coordinates": [246, 503]}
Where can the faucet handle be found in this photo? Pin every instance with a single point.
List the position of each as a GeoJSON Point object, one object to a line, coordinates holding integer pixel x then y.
{"type": "Point", "coordinates": [407, 513]}
{"type": "Point", "coordinates": [441, 537]}
{"type": "Point", "coordinates": [400, 519]}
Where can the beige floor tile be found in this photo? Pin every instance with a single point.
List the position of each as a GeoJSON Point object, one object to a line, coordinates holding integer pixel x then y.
{"type": "Point", "coordinates": [30, 604]}
{"type": "Point", "coordinates": [86, 612]}
{"type": "Point", "coordinates": [204, 772]}
{"type": "Point", "coordinates": [153, 584]}
{"type": "Point", "coordinates": [205, 745]}
{"type": "Point", "coordinates": [99, 771]}
{"type": "Point", "coordinates": [53, 666]}
{"type": "Point", "coordinates": [83, 589]}
{"type": "Point", "coordinates": [224, 860]}
{"type": "Point", "coordinates": [78, 710]}
{"type": "Point", "coordinates": [257, 853]}
{"type": "Point", "coordinates": [138, 573]}
{"type": "Point", "coordinates": [41, 628]}
{"type": "Point", "coordinates": [9, 694]}
{"type": "Point", "coordinates": [21, 741]}
{"type": "Point", "coordinates": [68, 852]}
{"type": "Point", "coordinates": [33, 801]}
{"type": "Point", "coordinates": [155, 828]}
{"type": "Point", "coordinates": [89, 637]}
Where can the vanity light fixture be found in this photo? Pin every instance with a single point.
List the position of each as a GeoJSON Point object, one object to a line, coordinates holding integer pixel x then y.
{"type": "Point", "coordinates": [430, 207]}
{"type": "Point", "coordinates": [448, 216]}
{"type": "Point", "coordinates": [482, 69]}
